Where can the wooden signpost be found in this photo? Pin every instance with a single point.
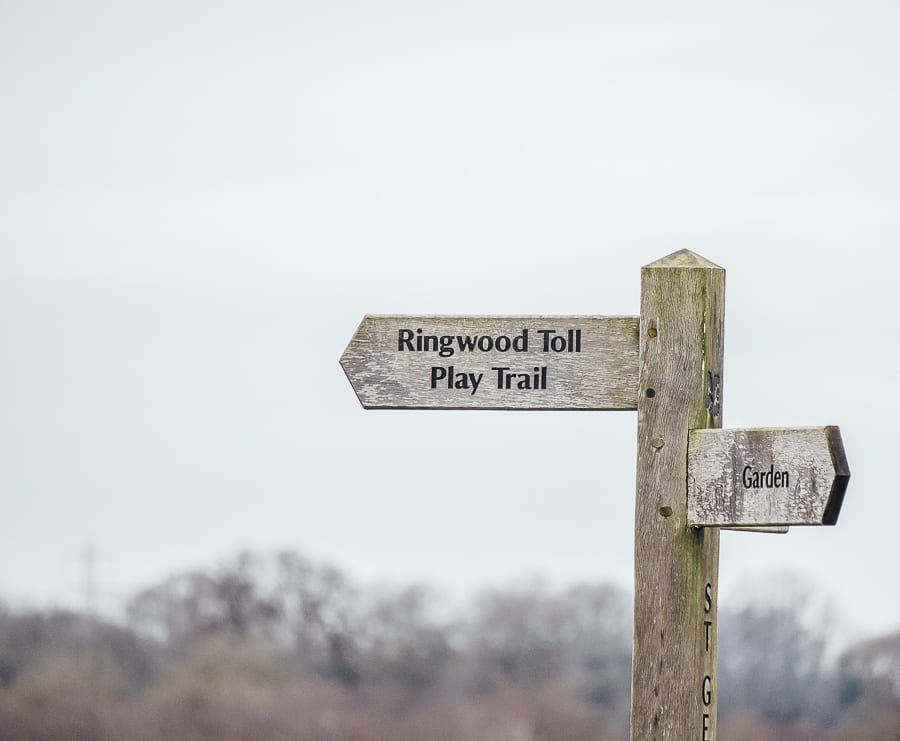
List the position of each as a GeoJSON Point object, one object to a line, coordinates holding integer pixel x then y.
{"type": "Point", "coordinates": [692, 477]}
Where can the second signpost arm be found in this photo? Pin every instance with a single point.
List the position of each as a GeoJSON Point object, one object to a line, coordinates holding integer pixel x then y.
{"type": "Point", "coordinates": [676, 566]}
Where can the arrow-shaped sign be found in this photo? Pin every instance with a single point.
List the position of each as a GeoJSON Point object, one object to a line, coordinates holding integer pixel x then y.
{"type": "Point", "coordinates": [516, 362]}
{"type": "Point", "coordinates": [763, 477]}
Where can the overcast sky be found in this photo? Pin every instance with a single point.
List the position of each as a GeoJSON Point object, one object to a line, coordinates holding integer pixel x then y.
{"type": "Point", "coordinates": [199, 201]}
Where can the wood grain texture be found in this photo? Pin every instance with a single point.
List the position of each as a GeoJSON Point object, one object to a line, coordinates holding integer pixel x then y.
{"type": "Point", "coordinates": [676, 567]}
{"type": "Point", "coordinates": [596, 367]}
{"type": "Point", "coordinates": [783, 476]}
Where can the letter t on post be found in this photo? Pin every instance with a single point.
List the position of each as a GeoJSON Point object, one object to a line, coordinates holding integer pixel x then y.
{"type": "Point", "coordinates": [681, 343]}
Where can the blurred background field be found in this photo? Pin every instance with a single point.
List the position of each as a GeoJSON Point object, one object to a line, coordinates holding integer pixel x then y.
{"type": "Point", "coordinates": [276, 646]}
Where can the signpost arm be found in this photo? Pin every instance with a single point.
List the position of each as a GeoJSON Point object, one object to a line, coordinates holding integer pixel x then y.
{"type": "Point", "coordinates": [676, 566]}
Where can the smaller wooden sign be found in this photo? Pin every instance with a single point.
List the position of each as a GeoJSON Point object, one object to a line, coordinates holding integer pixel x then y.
{"type": "Point", "coordinates": [765, 477]}
{"type": "Point", "coordinates": [494, 362]}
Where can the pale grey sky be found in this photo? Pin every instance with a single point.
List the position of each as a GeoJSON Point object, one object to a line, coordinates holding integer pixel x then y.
{"type": "Point", "coordinates": [199, 201]}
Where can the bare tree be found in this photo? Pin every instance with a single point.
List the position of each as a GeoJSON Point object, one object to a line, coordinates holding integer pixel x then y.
{"type": "Point", "coordinates": [772, 656]}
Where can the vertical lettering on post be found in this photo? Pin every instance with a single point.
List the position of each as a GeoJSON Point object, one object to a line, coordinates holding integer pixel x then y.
{"type": "Point", "coordinates": [708, 641]}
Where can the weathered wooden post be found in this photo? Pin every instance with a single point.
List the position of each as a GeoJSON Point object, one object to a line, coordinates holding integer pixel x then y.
{"type": "Point", "coordinates": [692, 478]}
{"type": "Point", "coordinates": [675, 566]}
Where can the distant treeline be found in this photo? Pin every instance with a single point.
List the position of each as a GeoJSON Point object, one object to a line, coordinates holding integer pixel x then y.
{"type": "Point", "coordinates": [280, 647]}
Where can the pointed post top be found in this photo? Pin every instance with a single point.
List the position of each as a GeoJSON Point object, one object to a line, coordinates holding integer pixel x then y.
{"type": "Point", "coordinates": [683, 259]}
